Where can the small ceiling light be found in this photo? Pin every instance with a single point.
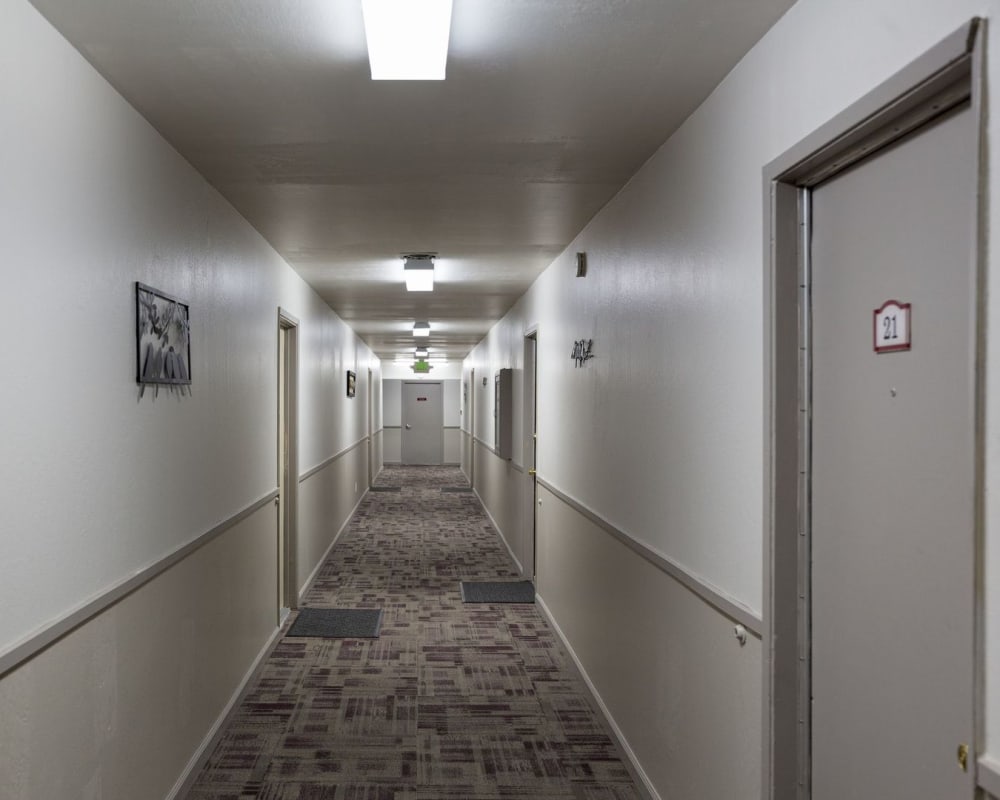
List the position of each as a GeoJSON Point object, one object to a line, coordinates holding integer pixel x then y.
{"type": "Point", "coordinates": [421, 352]}
{"type": "Point", "coordinates": [421, 329]}
{"type": "Point", "coordinates": [419, 273]}
{"type": "Point", "coordinates": [407, 39]}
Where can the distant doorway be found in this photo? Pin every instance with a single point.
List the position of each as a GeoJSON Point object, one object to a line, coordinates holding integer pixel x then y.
{"type": "Point", "coordinates": [370, 403]}
{"type": "Point", "coordinates": [288, 355]}
{"type": "Point", "coordinates": [423, 423]}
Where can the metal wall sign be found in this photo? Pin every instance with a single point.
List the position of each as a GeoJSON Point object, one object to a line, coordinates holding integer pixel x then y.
{"type": "Point", "coordinates": [891, 328]}
{"type": "Point", "coordinates": [583, 351]}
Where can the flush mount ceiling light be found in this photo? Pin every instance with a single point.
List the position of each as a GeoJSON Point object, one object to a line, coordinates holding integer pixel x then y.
{"type": "Point", "coordinates": [421, 352]}
{"type": "Point", "coordinates": [418, 270]}
{"type": "Point", "coordinates": [421, 329]}
{"type": "Point", "coordinates": [407, 39]}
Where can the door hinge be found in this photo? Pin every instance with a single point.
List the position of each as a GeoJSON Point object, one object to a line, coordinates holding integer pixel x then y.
{"type": "Point", "coordinates": [963, 757]}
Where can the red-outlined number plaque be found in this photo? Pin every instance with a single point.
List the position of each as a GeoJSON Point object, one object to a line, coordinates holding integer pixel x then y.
{"type": "Point", "coordinates": [892, 327]}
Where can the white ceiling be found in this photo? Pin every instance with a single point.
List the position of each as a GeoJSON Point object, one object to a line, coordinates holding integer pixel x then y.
{"type": "Point", "coordinates": [549, 107]}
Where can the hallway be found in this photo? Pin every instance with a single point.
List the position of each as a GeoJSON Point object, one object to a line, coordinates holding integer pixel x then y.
{"type": "Point", "coordinates": [478, 702]}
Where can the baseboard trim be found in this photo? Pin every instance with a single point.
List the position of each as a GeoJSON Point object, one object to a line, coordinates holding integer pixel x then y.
{"type": "Point", "coordinates": [644, 784]}
{"type": "Point", "coordinates": [988, 775]}
{"type": "Point", "coordinates": [710, 594]}
{"type": "Point", "coordinates": [493, 522]}
{"type": "Point", "coordinates": [197, 761]}
{"type": "Point", "coordinates": [335, 457]}
{"type": "Point", "coordinates": [26, 649]}
{"type": "Point", "coordinates": [326, 553]}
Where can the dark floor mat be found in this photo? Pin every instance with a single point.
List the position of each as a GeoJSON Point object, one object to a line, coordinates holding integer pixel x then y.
{"type": "Point", "coordinates": [456, 488]}
{"type": "Point", "coordinates": [498, 592]}
{"type": "Point", "coordinates": [386, 488]}
{"type": "Point", "coordinates": [338, 623]}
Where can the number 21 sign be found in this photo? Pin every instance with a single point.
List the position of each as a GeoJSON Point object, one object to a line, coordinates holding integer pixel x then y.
{"type": "Point", "coordinates": [892, 327]}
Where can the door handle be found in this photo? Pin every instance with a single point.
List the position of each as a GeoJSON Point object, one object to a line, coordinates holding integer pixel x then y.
{"type": "Point", "coordinates": [531, 472]}
{"type": "Point", "coordinates": [407, 427]}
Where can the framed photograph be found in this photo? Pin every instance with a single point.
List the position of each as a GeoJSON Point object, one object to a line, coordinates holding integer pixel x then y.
{"type": "Point", "coordinates": [352, 383]}
{"type": "Point", "coordinates": [162, 338]}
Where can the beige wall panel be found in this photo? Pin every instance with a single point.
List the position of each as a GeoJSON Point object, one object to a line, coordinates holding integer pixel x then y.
{"type": "Point", "coordinates": [452, 446]}
{"type": "Point", "coordinates": [378, 452]}
{"type": "Point", "coordinates": [392, 445]}
{"type": "Point", "coordinates": [116, 708]}
{"type": "Point", "coordinates": [667, 665]}
{"type": "Point", "coordinates": [499, 487]}
{"type": "Point", "coordinates": [326, 500]}
{"type": "Point", "coordinates": [467, 449]}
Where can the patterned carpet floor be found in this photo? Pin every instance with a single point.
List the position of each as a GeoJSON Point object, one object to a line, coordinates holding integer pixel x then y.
{"type": "Point", "coordinates": [452, 702]}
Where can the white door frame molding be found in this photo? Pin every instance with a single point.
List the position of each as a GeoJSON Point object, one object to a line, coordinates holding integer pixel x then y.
{"type": "Point", "coordinates": [940, 79]}
{"type": "Point", "coordinates": [288, 475]}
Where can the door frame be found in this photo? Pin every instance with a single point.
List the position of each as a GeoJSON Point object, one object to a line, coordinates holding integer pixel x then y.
{"type": "Point", "coordinates": [288, 479]}
{"type": "Point", "coordinates": [895, 108]}
{"type": "Point", "coordinates": [370, 404]}
{"type": "Point", "coordinates": [529, 428]}
{"type": "Point", "coordinates": [471, 425]}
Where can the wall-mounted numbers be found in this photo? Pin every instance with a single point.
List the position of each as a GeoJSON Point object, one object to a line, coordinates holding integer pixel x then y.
{"type": "Point", "coordinates": [892, 327]}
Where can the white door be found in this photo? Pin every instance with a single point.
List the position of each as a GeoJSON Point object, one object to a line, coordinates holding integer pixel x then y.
{"type": "Point", "coordinates": [893, 472]}
{"type": "Point", "coordinates": [423, 423]}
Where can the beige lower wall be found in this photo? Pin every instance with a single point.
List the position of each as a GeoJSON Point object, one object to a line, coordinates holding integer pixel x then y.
{"type": "Point", "coordinates": [466, 462]}
{"type": "Point", "coordinates": [392, 445]}
{"type": "Point", "coordinates": [326, 500]}
{"type": "Point", "coordinates": [499, 485]}
{"type": "Point", "coordinates": [378, 447]}
{"type": "Point", "coordinates": [118, 707]}
{"type": "Point", "coordinates": [452, 446]}
{"type": "Point", "coordinates": [684, 694]}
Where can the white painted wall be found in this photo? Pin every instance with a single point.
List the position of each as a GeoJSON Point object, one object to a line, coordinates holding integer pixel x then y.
{"type": "Point", "coordinates": [661, 433]}
{"type": "Point", "coordinates": [392, 402]}
{"type": "Point", "coordinates": [95, 483]}
{"type": "Point", "coordinates": [98, 483]}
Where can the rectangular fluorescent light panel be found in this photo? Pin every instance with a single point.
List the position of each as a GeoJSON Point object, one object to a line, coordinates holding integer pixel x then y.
{"type": "Point", "coordinates": [421, 352]}
{"type": "Point", "coordinates": [421, 329]}
{"type": "Point", "coordinates": [407, 39]}
{"type": "Point", "coordinates": [419, 275]}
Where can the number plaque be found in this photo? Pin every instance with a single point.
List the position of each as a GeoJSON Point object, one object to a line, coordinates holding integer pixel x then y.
{"type": "Point", "coordinates": [892, 327]}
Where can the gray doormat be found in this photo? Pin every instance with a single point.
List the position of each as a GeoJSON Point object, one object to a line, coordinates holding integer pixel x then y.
{"type": "Point", "coordinates": [338, 623]}
{"type": "Point", "coordinates": [498, 592]}
{"type": "Point", "coordinates": [386, 488]}
{"type": "Point", "coordinates": [456, 489]}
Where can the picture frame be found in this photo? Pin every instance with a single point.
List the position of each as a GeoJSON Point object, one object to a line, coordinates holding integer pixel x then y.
{"type": "Point", "coordinates": [352, 383]}
{"type": "Point", "coordinates": [162, 338]}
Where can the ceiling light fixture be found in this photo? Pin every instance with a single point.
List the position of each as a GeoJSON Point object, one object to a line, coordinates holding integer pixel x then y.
{"type": "Point", "coordinates": [407, 39]}
{"type": "Point", "coordinates": [418, 270]}
{"type": "Point", "coordinates": [421, 352]}
{"type": "Point", "coordinates": [421, 329]}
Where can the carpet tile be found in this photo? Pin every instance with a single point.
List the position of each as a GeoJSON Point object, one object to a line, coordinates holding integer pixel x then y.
{"type": "Point", "coordinates": [452, 702]}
